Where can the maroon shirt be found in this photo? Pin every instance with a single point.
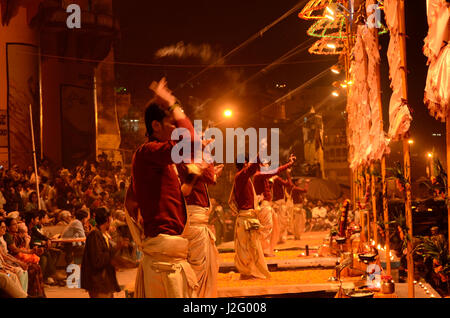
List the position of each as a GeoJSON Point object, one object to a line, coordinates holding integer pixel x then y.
{"type": "Point", "coordinates": [157, 187]}
{"type": "Point", "coordinates": [278, 188]}
{"type": "Point", "coordinates": [297, 194]}
{"type": "Point", "coordinates": [243, 189]}
{"type": "Point", "coordinates": [261, 181]}
{"type": "Point", "coordinates": [199, 195]}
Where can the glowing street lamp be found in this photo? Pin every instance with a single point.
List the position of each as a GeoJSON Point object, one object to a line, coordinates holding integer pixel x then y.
{"type": "Point", "coordinates": [429, 155]}
{"type": "Point", "coordinates": [410, 141]}
{"type": "Point", "coordinates": [331, 46]}
{"type": "Point", "coordinates": [228, 113]}
{"type": "Point", "coordinates": [335, 94]}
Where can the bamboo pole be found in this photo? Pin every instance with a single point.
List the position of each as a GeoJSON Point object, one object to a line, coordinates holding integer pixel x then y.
{"type": "Point", "coordinates": [383, 171]}
{"type": "Point", "coordinates": [406, 150]}
{"type": "Point", "coordinates": [36, 175]}
{"type": "Point", "coordinates": [447, 124]}
{"type": "Point", "coordinates": [386, 215]}
{"type": "Point", "coordinates": [408, 215]}
{"type": "Point", "coordinates": [374, 202]}
{"type": "Point", "coordinates": [367, 187]}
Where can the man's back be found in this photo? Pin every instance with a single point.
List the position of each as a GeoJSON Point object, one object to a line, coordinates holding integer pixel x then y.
{"type": "Point", "coordinates": [157, 188]}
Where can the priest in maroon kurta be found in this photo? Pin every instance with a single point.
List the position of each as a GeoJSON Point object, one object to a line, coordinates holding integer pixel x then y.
{"type": "Point", "coordinates": [249, 257]}
{"type": "Point", "coordinates": [267, 217]}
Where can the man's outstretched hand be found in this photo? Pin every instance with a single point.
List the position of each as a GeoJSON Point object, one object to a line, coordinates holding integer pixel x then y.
{"type": "Point", "coordinates": [292, 159]}
{"type": "Point", "coordinates": [162, 92]}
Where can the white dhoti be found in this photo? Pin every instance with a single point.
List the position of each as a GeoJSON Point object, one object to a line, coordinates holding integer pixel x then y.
{"type": "Point", "coordinates": [249, 256]}
{"type": "Point", "coordinates": [164, 271]}
{"type": "Point", "coordinates": [265, 217]}
{"type": "Point", "coordinates": [299, 221]}
{"type": "Point", "coordinates": [290, 216]}
{"type": "Point", "coordinates": [281, 211]}
{"type": "Point", "coordinates": [203, 255]}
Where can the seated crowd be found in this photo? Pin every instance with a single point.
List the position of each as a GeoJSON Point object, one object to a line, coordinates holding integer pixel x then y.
{"type": "Point", "coordinates": [35, 237]}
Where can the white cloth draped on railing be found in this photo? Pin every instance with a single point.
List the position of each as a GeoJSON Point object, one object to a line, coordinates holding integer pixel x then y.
{"type": "Point", "coordinates": [366, 135]}
{"type": "Point", "coordinates": [358, 108]}
{"type": "Point", "coordinates": [378, 141]}
{"type": "Point", "coordinates": [437, 49]}
{"type": "Point", "coordinates": [399, 114]}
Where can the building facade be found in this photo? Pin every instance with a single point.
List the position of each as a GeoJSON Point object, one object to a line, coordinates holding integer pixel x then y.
{"type": "Point", "coordinates": [65, 74]}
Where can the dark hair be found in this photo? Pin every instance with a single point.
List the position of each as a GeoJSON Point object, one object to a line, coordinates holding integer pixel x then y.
{"type": "Point", "coordinates": [41, 214]}
{"type": "Point", "coordinates": [101, 216]}
{"type": "Point", "coordinates": [8, 221]}
{"type": "Point", "coordinates": [124, 231]}
{"type": "Point", "coordinates": [81, 214]}
{"type": "Point", "coordinates": [122, 185]}
{"type": "Point", "coordinates": [31, 194]}
{"type": "Point", "coordinates": [239, 165]}
{"type": "Point", "coordinates": [29, 216]}
{"type": "Point", "coordinates": [153, 112]}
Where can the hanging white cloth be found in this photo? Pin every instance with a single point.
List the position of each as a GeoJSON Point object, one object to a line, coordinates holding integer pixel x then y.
{"type": "Point", "coordinates": [399, 114]}
{"type": "Point", "coordinates": [437, 49]}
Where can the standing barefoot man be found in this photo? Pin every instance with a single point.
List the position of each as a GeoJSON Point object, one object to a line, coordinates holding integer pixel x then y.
{"type": "Point", "coordinates": [155, 198]}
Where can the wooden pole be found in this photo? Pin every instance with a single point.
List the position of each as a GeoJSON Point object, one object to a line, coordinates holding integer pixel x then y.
{"type": "Point", "coordinates": [36, 175]}
{"type": "Point", "coordinates": [406, 150]}
{"type": "Point", "coordinates": [447, 124]}
{"type": "Point", "coordinates": [386, 215]}
{"type": "Point", "coordinates": [383, 171]}
{"type": "Point", "coordinates": [367, 187]}
{"type": "Point", "coordinates": [408, 215]}
{"type": "Point", "coordinates": [374, 202]}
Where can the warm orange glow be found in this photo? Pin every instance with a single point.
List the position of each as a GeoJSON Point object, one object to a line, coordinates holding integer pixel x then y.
{"type": "Point", "coordinates": [228, 113]}
{"type": "Point", "coordinates": [410, 141]}
{"type": "Point", "coordinates": [335, 70]}
{"type": "Point", "coordinates": [430, 155]}
{"type": "Point", "coordinates": [335, 94]}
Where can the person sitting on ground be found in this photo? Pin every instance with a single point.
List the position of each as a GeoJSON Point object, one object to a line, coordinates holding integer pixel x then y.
{"type": "Point", "coordinates": [10, 264]}
{"type": "Point", "coordinates": [75, 229]}
{"type": "Point", "coordinates": [64, 218]}
{"type": "Point", "coordinates": [98, 275]}
{"type": "Point", "coordinates": [10, 287]}
{"type": "Point", "coordinates": [48, 255]}
{"type": "Point", "coordinates": [32, 202]}
{"type": "Point", "coordinates": [119, 196]}
{"type": "Point", "coordinates": [35, 277]}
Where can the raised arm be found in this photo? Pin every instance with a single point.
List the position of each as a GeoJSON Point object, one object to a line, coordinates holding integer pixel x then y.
{"type": "Point", "coordinates": [270, 173]}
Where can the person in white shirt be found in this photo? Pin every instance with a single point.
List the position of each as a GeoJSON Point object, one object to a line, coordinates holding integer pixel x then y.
{"type": "Point", "coordinates": [319, 211]}
{"type": "Point", "coordinates": [75, 230]}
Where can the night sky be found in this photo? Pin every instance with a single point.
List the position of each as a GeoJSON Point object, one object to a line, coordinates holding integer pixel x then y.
{"type": "Point", "coordinates": [147, 27]}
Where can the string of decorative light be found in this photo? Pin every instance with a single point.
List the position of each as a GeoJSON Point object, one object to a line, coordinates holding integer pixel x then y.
{"type": "Point", "coordinates": [315, 9]}
{"type": "Point", "coordinates": [327, 28]}
{"type": "Point", "coordinates": [328, 46]}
